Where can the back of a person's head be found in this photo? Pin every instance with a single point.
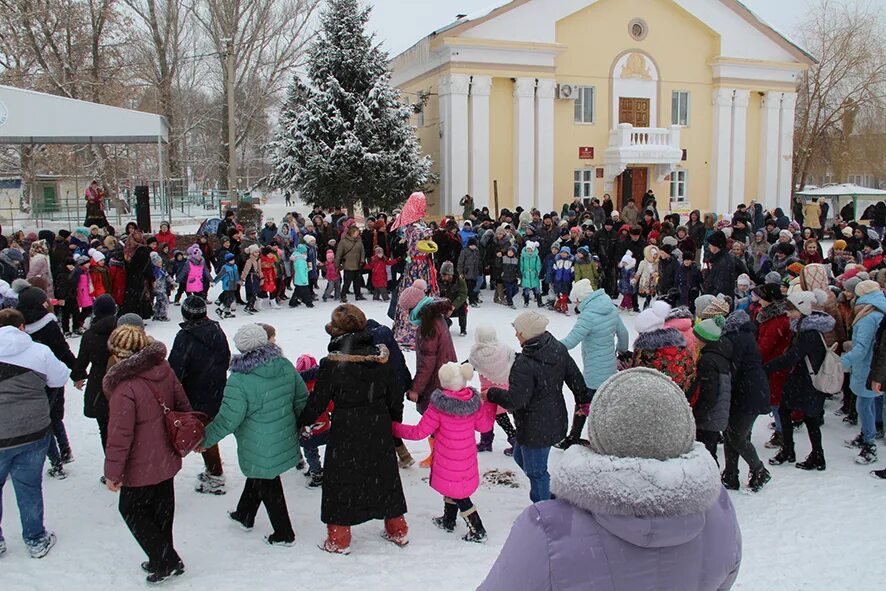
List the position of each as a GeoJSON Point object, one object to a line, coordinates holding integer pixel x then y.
{"type": "Point", "coordinates": [11, 317]}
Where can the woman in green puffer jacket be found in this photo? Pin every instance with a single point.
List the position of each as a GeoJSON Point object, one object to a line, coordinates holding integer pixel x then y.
{"type": "Point", "coordinates": [263, 399]}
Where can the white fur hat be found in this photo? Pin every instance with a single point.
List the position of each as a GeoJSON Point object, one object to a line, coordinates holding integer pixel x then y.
{"type": "Point", "coordinates": [531, 244]}
{"type": "Point", "coordinates": [648, 321]}
{"type": "Point", "coordinates": [581, 290]}
{"type": "Point", "coordinates": [802, 301]}
{"type": "Point", "coordinates": [455, 376]}
{"type": "Point", "coordinates": [661, 308]}
{"type": "Point", "coordinates": [96, 255]}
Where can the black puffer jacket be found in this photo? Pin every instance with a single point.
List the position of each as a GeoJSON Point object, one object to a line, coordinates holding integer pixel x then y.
{"type": "Point", "coordinates": [720, 277]}
{"type": "Point", "coordinates": [382, 335]}
{"type": "Point", "coordinates": [200, 357]}
{"type": "Point", "coordinates": [750, 387]}
{"type": "Point", "coordinates": [714, 375]}
{"type": "Point", "coordinates": [799, 393]}
{"type": "Point", "coordinates": [94, 355]}
{"type": "Point", "coordinates": [535, 391]}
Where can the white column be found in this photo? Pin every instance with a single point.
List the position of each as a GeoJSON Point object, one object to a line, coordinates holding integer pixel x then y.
{"type": "Point", "coordinates": [524, 136]}
{"type": "Point", "coordinates": [721, 152]}
{"type": "Point", "coordinates": [786, 151]}
{"type": "Point", "coordinates": [739, 147]}
{"type": "Point", "coordinates": [767, 190]}
{"type": "Point", "coordinates": [544, 145]}
{"type": "Point", "coordinates": [454, 149]}
{"type": "Point", "coordinates": [481, 86]}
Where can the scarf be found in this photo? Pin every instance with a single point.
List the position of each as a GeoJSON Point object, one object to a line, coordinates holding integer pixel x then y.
{"type": "Point", "coordinates": [136, 239]}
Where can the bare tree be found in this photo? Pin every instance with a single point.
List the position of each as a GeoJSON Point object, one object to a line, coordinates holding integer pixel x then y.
{"type": "Point", "coordinates": [850, 76]}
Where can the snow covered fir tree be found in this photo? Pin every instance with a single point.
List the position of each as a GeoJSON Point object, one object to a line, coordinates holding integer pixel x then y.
{"type": "Point", "coordinates": [345, 135]}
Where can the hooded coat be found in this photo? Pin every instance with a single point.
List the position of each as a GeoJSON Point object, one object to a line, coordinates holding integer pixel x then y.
{"type": "Point", "coordinates": [773, 340]}
{"type": "Point", "coordinates": [864, 339]}
{"type": "Point", "coordinates": [139, 284]}
{"type": "Point", "coordinates": [535, 391]}
{"type": "Point", "coordinates": [361, 480]}
{"type": "Point", "coordinates": [799, 393]}
{"type": "Point", "coordinates": [750, 388]}
{"type": "Point", "coordinates": [94, 354]}
{"type": "Point", "coordinates": [721, 274]}
{"type": "Point", "coordinates": [452, 418]}
{"type": "Point", "coordinates": [665, 350]}
{"type": "Point", "coordinates": [200, 357]}
{"type": "Point", "coordinates": [139, 452]}
{"type": "Point", "coordinates": [263, 398]}
{"type": "Point", "coordinates": [530, 269]}
{"type": "Point", "coordinates": [627, 524]}
{"type": "Point", "coordinates": [714, 379]}
{"type": "Point", "coordinates": [601, 332]}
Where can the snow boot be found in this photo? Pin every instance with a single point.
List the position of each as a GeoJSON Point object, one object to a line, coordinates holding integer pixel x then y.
{"type": "Point", "coordinates": [775, 442]}
{"type": "Point", "coordinates": [396, 531]}
{"type": "Point", "coordinates": [730, 480]}
{"type": "Point", "coordinates": [476, 531]}
{"type": "Point", "coordinates": [338, 539]}
{"type": "Point", "coordinates": [814, 461]}
{"type": "Point", "coordinates": [758, 479]}
{"type": "Point", "coordinates": [273, 540]}
{"type": "Point", "coordinates": [315, 479]}
{"type": "Point", "coordinates": [405, 459]}
{"type": "Point", "coordinates": [574, 437]}
{"type": "Point", "coordinates": [881, 474]}
{"type": "Point", "coordinates": [210, 485]}
{"type": "Point", "coordinates": [783, 456]}
{"type": "Point", "coordinates": [57, 471]}
{"type": "Point", "coordinates": [426, 463]}
{"type": "Point", "coordinates": [526, 301]}
{"type": "Point", "coordinates": [158, 577]}
{"type": "Point", "coordinates": [234, 516]}
{"type": "Point", "coordinates": [856, 443]}
{"type": "Point", "coordinates": [447, 521]}
{"type": "Point", "coordinates": [868, 454]}
{"type": "Point", "coordinates": [485, 441]}
{"type": "Point", "coordinates": [510, 450]}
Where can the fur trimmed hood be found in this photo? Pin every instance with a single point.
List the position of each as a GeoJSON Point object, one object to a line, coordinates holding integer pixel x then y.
{"type": "Point", "coordinates": [382, 356]}
{"type": "Point", "coordinates": [678, 313]}
{"type": "Point", "coordinates": [771, 311]}
{"type": "Point", "coordinates": [130, 367]}
{"type": "Point", "coordinates": [637, 487]}
{"type": "Point", "coordinates": [659, 339]}
{"type": "Point", "coordinates": [735, 321]}
{"type": "Point", "coordinates": [247, 362]}
{"type": "Point", "coordinates": [40, 323]}
{"type": "Point", "coordinates": [817, 321]}
{"type": "Point", "coordinates": [455, 405]}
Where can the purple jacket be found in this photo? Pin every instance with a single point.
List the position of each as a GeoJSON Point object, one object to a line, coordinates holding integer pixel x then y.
{"type": "Point", "coordinates": [625, 524]}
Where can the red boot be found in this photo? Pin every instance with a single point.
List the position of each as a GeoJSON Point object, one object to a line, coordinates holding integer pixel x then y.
{"type": "Point", "coordinates": [396, 531]}
{"type": "Point", "coordinates": [338, 539]}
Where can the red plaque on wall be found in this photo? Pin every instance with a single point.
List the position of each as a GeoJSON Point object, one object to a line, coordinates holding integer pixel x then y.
{"type": "Point", "coordinates": [600, 173]}
{"type": "Point", "coordinates": [586, 153]}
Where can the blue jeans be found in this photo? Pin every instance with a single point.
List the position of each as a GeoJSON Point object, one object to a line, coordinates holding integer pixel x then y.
{"type": "Point", "coordinates": [511, 290]}
{"type": "Point", "coordinates": [867, 416]}
{"type": "Point", "coordinates": [310, 445]}
{"type": "Point", "coordinates": [777, 418]}
{"type": "Point", "coordinates": [480, 284]}
{"type": "Point", "coordinates": [58, 442]}
{"type": "Point", "coordinates": [534, 463]}
{"type": "Point", "coordinates": [24, 463]}
{"type": "Point", "coordinates": [530, 290]}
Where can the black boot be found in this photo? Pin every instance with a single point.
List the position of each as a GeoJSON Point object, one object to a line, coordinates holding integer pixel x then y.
{"type": "Point", "coordinates": [758, 479]}
{"type": "Point", "coordinates": [574, 437]}
{"type": "Point", "coordinates": [538, 301]}
{"type": "Point", "coordinates": [814, 461]}
{"type": "Point", "coordinates": [730, 480]}
{"type": "Point", "coordinates": [476, 531]}
{"type": "Point", "coordinates": [784, 456]}
{"type": "Point", "coordinates": [447, 522]}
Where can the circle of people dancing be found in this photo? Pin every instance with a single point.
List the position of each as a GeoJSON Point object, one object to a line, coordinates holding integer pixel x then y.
{"type": "Point", "coordinates": [742, 316]}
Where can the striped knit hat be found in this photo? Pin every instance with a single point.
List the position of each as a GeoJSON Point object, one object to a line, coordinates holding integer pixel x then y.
{"type": "Point", "coordinates": [127, 340]}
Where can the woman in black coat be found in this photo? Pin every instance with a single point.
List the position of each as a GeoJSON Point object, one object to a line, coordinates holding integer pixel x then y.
{"type": "Point", "coordinates": [361, 480]}
{"type": "Point", "coordinates": [799, 393]}
{"type": "Point", "coordinates": [93, 355]}
{"type": "Point", "coordinates": [750, 398]}
{"type": "Point", "coordinates": [138, 294]}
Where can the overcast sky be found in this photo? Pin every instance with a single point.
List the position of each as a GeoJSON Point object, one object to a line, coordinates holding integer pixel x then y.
{"type": "Point", "coordinates": [400, 23]}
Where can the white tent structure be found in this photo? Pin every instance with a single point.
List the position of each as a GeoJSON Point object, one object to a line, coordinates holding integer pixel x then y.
{"type": "Point", "coordinates": [29, 117]}
{"type": "Point", "coordinates": [833, 193]}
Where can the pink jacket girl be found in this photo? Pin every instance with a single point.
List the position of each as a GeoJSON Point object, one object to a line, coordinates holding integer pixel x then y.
{"type": "Point", "coordinates": [83, 286]}
{"type": "Point", "coordinates": [454, 414]}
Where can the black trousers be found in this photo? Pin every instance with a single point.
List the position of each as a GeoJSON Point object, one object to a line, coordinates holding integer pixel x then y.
{"type": "Point", "coordinates": [462, 315]}
{"type": "Point", "coordinates": [148, 512]}
{"type": "Point", "coordinates": [301, 294]}
{"type": "Point", "coordinates": [103, 431]}
{"type": "Point", "coordinates": [737, 442]}
{"type": "Point", "coordinates": [351, 277]}
{"type": "Point", "coordinates": [710, 440]}
{"type": "Point", "coordinates": [813, 428]}
{"type": "Point", "coordinates": [473, 297]}
{"type": "Point", "coordinates": [269, 492]}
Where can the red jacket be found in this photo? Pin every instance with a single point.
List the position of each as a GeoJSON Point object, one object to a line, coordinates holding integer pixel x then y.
{"type": "Point", "coordinates": [774, 339]}
{"type": "Point", "coordinates": [268, 273]}
{"type": "Point", "coordinates": [167, 238]}
{"type": "Point", "coordinates": [117, 274]}
{"type": "Point", "coordinates": [379, 269]}
{"type": "Point", "coordinates": [139, 452]}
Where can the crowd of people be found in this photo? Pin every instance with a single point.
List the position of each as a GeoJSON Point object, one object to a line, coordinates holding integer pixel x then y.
{"type": "Point", "coordinates": [737, 316]}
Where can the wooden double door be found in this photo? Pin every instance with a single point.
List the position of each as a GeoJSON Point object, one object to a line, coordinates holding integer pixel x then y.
{"type": "Point", "coordinates": [631, 185]}
{"type": "Point", "coordinates": [634, 111]}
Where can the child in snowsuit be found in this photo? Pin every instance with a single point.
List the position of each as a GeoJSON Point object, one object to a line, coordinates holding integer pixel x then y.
{"type": "Point", "coordinates": [317, 433]}
{"type": "Point", "coordinates": [194, 273]}
{"type": "Point", "coordinates": [510, 273]}
{"type": "Point", "coordinates": [563, 276]}
{"type": "Point", "coordinates": [302, 292]}
{"type": "Point", "coordinates": [230, 280]}
{"type": "Point", "coordinates": [378, 268]}
{"type": "Point", "coordinates": [176, 265]}
{"type": "Point", "coordinates": [268, 264]}
{"type": "Point", "coordinates": [626, 272]}
{"type": "Point", "coordinates": [163, 284]}
{"type": "Point", "coordinates": [493, 359]}
{"type": "Point", "coordinates": [83, 292]}
{"type": "Point", "coordinates": [585, 267]}
{"type": "Point", "coordinates": [454, 413]}
{"type": "Point", "coordinates": [333, 277]}
{"type": "Point", "coordinates": [530, 272]}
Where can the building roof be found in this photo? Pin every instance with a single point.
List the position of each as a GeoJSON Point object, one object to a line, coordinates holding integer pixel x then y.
{"type": "Point", "coordinates": [29, 117]}
{"type": "Point", "coordinates": [842, 191]}
{"type": "Point", "coordinates": [461, 25]}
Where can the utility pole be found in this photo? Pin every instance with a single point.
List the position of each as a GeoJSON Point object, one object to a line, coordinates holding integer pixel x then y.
{"type": "Point", "coordinates": [231, 84]}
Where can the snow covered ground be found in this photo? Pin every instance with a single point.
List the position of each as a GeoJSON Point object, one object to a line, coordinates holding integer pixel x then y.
{"type": "Point", "coordinates": [804, 531]}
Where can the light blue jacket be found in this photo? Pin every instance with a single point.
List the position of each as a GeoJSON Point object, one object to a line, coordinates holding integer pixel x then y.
{"type": "Point", "coordinates": [596, 328]}
{"type": "Point", "coordinates": [300, 264]}
{"type": "Point", "coordinates": [864, 338]}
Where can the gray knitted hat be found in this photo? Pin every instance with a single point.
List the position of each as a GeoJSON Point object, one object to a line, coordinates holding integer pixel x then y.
{"type": "Point", "coordinates": [131, 319]}
{"type": "Point", "coordinates": [250, 337]}
{"type": "Point", "coordinates": [641, 413]}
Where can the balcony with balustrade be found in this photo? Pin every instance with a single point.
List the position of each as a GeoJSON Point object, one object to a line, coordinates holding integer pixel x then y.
{"type": "Point", "coordinates": [655, 146]}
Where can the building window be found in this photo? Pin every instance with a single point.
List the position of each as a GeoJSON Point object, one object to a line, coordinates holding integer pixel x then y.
{"type": "Point", "coordinates": [583, 183]}
{"type": "Point", "coordinates": [680, 108]}
{"type": "Point", "coordinates": [638, 29]}
{"type": "Point", "coordinates": [678, 185]}
{"type": "Point", "coordinates": [584, 104]}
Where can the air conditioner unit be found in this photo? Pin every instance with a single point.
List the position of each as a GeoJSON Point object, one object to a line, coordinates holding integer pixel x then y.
{"type": "Point", "coordinates": [567, 92]}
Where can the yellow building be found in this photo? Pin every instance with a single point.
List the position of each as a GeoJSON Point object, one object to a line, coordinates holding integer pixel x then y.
{"type": "Point", "coordinates": [554, 99]}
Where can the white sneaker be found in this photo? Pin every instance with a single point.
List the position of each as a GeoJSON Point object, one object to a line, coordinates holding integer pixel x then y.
{"type": "Point", "coordinates": [2, 547]}
{"type": "Point", "coordinates": [42, 547]}
{"type": "Point", "coordinates": [275, 305]}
